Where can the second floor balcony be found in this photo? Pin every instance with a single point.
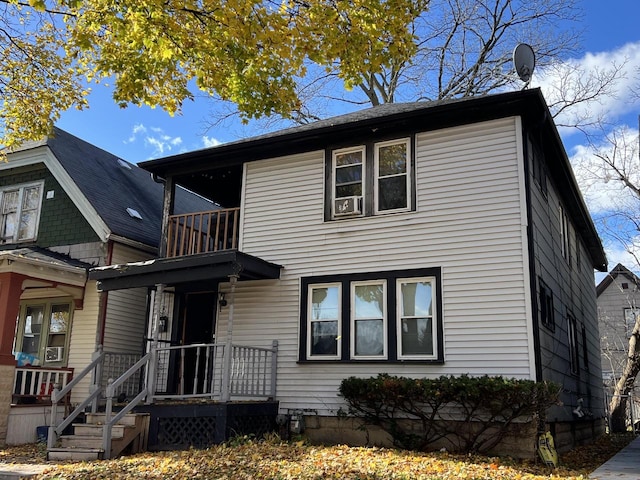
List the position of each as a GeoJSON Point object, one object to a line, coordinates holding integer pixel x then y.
{"type": "Point", "coordinates": [203, 232]}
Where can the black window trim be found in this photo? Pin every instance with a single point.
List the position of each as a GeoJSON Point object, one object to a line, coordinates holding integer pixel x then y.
{"type": "Point", "coordinates": [368, 207]}
{"type": "Point", "coordinates": [392, 350]}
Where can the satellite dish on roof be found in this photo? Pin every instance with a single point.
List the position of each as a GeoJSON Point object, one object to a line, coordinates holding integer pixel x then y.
{"type": "Point", "coordinates": [524, 61]}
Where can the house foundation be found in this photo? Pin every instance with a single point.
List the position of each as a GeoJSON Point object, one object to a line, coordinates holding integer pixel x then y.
{"type": "Point", "coordinates": [520, 442]}
{"type": "Point", "coordinates": [6, 389]}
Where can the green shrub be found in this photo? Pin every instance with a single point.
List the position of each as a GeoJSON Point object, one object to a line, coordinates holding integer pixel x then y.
{"type": "Point", "coordinates": [470, 414]}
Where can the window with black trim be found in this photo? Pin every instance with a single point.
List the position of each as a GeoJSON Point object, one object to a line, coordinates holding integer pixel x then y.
{"type": "Point", "coordinates": [547, 310]}
{"type": "Point", "coordinates": [574, 353]}
{"type": "Point", "coordinates": [378, 316]}
{"type": "Point", "coordinates": [370, 179]}
{"type": "Point", "coordinates": [585, 348]}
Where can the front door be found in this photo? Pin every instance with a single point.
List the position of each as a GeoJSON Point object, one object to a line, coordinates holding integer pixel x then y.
{"type": "Point", "coordinates": [198, 327]}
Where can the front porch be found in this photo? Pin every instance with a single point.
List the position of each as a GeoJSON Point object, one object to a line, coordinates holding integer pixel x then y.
{"type": "Point", "coordinates": [208, 406]}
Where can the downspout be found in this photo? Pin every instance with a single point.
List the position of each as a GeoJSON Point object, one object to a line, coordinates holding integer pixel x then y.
{"type": "Point", "coordinates": [225, 394]}
{"type": "Point", "coordinates": [103, 302]}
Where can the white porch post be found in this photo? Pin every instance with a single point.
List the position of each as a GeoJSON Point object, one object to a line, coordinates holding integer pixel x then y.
{"type": "Point", "coordinates": [153, 359]}
{"type": "Point", "coordinates": [225, 394]}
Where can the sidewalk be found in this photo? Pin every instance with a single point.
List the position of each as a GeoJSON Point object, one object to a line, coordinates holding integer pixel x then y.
{"type": "Point", "coordinates": [16, 471]}
{"type": "Point", "coordinates": [625, 465]}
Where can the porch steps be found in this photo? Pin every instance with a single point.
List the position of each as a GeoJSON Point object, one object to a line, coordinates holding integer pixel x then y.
{"type": "Point", "coordinates": [86, 442]}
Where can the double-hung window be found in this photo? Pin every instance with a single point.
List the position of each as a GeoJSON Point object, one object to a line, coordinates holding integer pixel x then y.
{"type": "Point", "coordinates": [348, 181]}
{"type": "Point", "coordinates": [370, 179]}
{"type": "Point", "coordinates": [20, 212]}
{"type": "Point", "coordinates": [324, 319]}
{"type": "Point", "coordinates": [374, 316]}
{"type": "Point", "coordinates": [368, 319]}
{"type": "Point", "coordinates": [393, 181]}
{"type": "Point", "coordinates": [416, 325]}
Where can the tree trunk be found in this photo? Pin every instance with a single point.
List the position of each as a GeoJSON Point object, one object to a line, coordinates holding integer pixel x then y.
{"type": "Point", "coordinates": [624, 386]}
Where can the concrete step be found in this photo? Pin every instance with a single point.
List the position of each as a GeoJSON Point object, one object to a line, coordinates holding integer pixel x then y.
{"type": "Point", "coordinates": [95, 430]}
{"type": "Point", "coordinates": [75, 454]}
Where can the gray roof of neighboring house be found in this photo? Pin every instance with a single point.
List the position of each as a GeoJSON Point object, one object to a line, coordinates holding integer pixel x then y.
{"type": "Point", "coordinates": [618, 270]}
{"type": "Point", "coordinates": [112, 185]}
{"type": "Point", "coordinates": [43, 255]}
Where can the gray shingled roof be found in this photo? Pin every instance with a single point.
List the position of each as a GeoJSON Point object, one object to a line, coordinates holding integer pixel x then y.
{"type": "Point", "coordinates": [111, 188]}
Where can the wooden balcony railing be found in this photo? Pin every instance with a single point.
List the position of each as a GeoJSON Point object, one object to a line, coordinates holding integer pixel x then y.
{"type": "Point", "coordinates": [202, 232]}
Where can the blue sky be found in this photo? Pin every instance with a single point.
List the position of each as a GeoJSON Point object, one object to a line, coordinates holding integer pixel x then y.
{"type": "Point", "coordinates": [137, 134]}
{"type": "Point", "coordinates": [611, 34]}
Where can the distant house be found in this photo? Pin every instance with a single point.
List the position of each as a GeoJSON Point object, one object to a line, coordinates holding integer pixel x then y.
{"type": "Point", "coordinates": [422, 239]}
{"type": "Point", "coordinates": [67, 206]}
{"type": "Point", "coordinates": [618, 308]}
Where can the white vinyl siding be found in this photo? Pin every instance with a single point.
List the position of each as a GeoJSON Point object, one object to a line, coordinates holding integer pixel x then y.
{"type": "Point", "coordinates": [126, 309]}
{"type": "Point", "coordinates": [83, 338]}
{"type": "Point", "coordinates": [469, 221]}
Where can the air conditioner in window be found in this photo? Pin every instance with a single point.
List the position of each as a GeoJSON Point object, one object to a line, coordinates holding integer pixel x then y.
{"type": "Point", "coordinates": [347, 206]}
{"type": "Point", "coordinates": [54, 354]}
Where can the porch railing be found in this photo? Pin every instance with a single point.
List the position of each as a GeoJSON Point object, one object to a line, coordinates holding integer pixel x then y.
{"type": "Point", "coordinates": [202, 232]}
{"type": "Point", "coordinates": [252, 374]}
{"type": "Point", "coordinates": [37, 383]}
{"type": "Point", "coordinates": [199, 369]}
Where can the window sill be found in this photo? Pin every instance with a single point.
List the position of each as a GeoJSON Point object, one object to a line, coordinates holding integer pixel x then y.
{"type": "Point", "coordinates": [373, 362]}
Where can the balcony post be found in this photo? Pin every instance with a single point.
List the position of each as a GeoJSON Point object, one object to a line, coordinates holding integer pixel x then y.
{"type": "Point", "coordinates": [151, 366]}
{"type": "Point", "coordinates": [225, 394]}
{"type": "Point", "coordinates": [167, 211]}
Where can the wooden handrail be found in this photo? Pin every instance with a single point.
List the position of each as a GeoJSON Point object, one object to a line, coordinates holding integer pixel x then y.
{"type": "Point", "coordinates": [203, 232]}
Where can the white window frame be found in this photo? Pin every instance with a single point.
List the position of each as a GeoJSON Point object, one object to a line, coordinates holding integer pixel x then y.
{"type": "Point", "coordinates": [21, 188]}
{"type": "Point", "coordinates": [377, 177]}
{"type": "Point", "coordinates": [353, 320]}
{"type": "Point", "coordinates": [334, 168]}
{"type": "Point", "coordinates": [434, 317]}
{"type": "Point", "coordinates": [310, 321]}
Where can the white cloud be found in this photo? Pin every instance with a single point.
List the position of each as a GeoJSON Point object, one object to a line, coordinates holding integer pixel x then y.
{"type": "Point", "coordinates": [210, 142]}
{"type": "Point", "coordinates": [156, 139]}
{"type": "Point", "coordinates": [582, 75]}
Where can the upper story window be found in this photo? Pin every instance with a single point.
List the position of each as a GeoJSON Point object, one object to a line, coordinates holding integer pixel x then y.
{"type": "Point", "coordinates": [370, 179]}
{"type": "Point", "coordinates": [547, 310]}
{"type": "Point", "coordinates": [20, 212]}
{"type": "Point", "coordinates": [392, 176]}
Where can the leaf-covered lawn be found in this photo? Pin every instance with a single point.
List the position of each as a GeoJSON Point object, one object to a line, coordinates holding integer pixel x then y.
{"type": "Point", "coordinates": [278, 460]}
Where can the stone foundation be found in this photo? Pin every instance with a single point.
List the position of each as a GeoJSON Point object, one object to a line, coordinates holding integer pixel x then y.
{"type": "Point", "coordinates": [7, 373]}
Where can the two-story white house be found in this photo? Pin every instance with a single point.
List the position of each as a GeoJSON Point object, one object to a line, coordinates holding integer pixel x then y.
{"type": "Point", "coordinates": [420, 239]}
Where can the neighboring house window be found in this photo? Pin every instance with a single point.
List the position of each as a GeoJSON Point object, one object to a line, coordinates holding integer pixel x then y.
{"type": "Point", "coordinates": [20, 210]}
{"type": "Point", "coordinates": [547, 310]}
{"type": "Point", "coordinates": [324, 321]}
{"type": "Point", "coordinates": [564, 233]}
{"type": "Point", "coordinates": [393, 183]}
{"type": "Point", "coordinates": [370, 179]}
{"type": "Point", "coordinates": [381, 316]}
{"type": "Point", "coordinates": [630, 317]}
{"type": "Point", "coordinates": [43, 331]}
{"type": "Point", "coordinates": [368, 319]}
{"type": "Point", "coordinates": [574, 353]}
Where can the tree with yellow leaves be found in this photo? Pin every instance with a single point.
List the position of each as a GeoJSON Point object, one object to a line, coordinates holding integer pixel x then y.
{"type": "Point", "coordinates": [157, 52]}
